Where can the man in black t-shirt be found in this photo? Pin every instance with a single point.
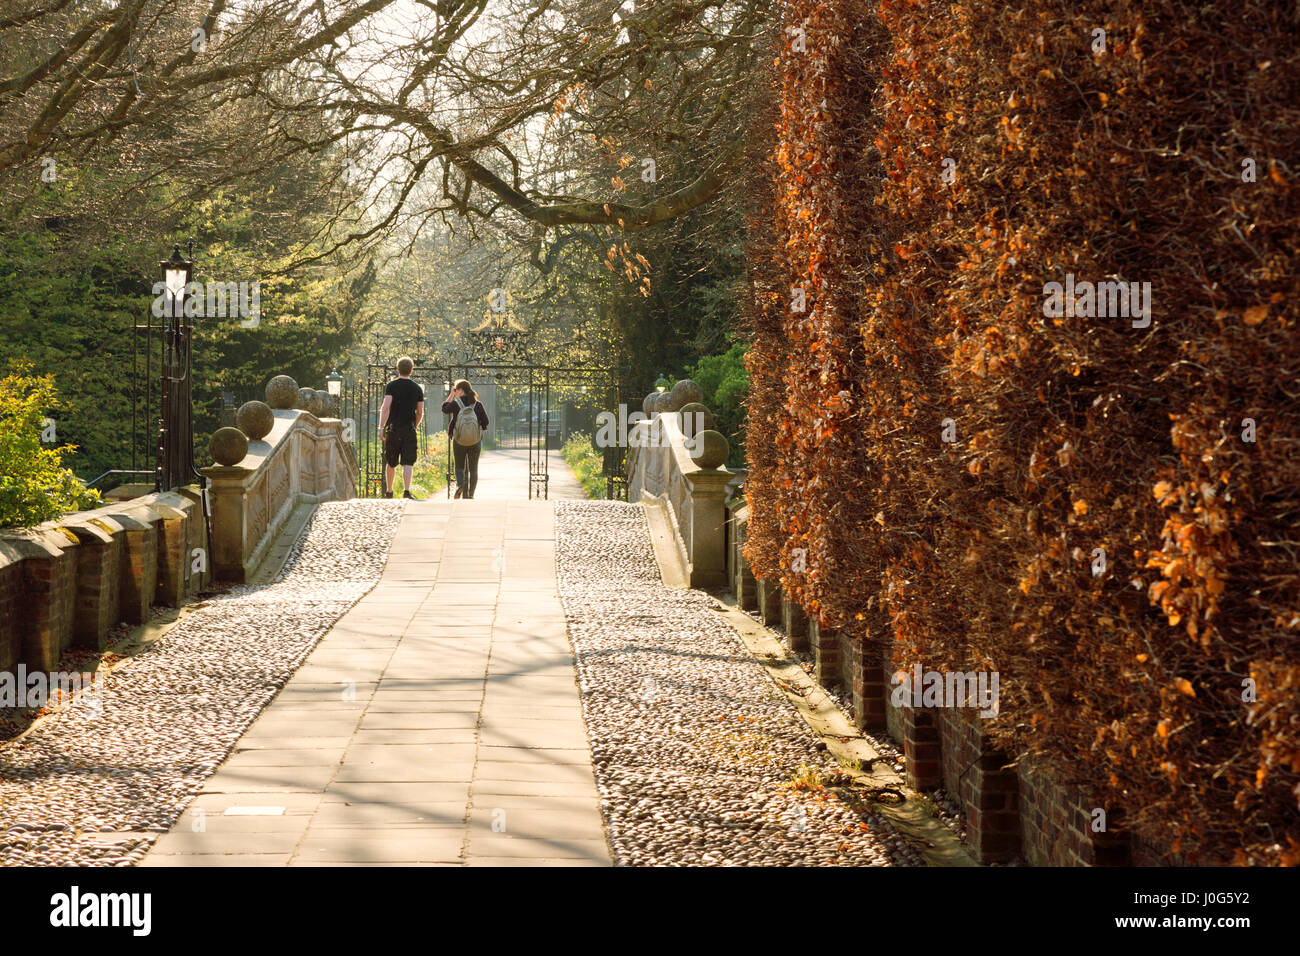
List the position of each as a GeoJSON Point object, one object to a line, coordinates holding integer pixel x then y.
{"type": "Point", "coordinates": [399, 421]}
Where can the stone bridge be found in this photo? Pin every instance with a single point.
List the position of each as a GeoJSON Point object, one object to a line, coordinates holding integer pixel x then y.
{"type": "Point", "coordinates": [318, 679]}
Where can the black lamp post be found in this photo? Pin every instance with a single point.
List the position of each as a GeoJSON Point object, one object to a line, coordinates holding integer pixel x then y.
{"type": "Point", "coordinates": [176, 428]}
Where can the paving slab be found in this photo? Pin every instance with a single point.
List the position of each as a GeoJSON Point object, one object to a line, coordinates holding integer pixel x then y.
{"type": "Point", "coordinates": [286, 757]}
{"type": "Point", "coordinates": [290, 804]}
{"type": "Point", "coordinates": [399, 849]}
{"type": "Point", "coordinates": [155, 859]}
{"type": "Point", "coordinates": [186, 841]}
{"type": "Point", "coordinates": [509, 861]}
{"type": "Point", "coordinates": [557, 848]}
{"type": "Point", "coordinates": [383, 816]}
{"type": "Point", "coordinates": [241, 779]}
{"type": "Point", "coordinates": [519, 827]}
{"type": "Point", "coordinates": [414, 795]}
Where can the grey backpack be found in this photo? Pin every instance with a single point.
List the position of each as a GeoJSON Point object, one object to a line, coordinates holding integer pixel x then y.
{"type": "Point", "coordinates": [467, 430]}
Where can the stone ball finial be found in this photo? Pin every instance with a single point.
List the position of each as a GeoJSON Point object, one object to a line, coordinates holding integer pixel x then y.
{"type": "Point", "coordinates": [228, 446]}
{"type": "Point", "coordinates": [307, 400]}
{"type": "Point", "coordinates": [324, 403]}
{"type": "Point", "coordinates": [684, 393]}
{"type": "Point", "coordinates": [662, 402]}
{"type": "Point", "coordinates": [281, 392]}
{"type": "Point", "coordinates": [710, 449]}
{"type": "Point", "coordinates": [648, 404]}
{"type": "Point", "coordinates": [696, 418]}
{"type": "Point", "coordinates": [255, 419]}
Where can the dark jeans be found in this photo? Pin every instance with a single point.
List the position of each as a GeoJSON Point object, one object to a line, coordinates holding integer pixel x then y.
{"type": "Point", "coordinates": [466, 458]}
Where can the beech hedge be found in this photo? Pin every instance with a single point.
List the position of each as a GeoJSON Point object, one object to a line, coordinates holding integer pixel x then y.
{"type": "Point", "coordinates": [1098, 503]}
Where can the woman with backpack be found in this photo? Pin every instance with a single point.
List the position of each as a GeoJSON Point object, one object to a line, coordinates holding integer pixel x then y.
{"type": "Point", "coordinates": [468, 422]}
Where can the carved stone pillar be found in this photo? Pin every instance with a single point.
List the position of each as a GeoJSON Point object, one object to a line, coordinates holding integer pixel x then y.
{"type": "Point", "coordinates": [229, 520]}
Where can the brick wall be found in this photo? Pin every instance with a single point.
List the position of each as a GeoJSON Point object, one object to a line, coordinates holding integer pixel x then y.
{"type": "Point", "coordinates": [863, 677]}
{"type": "Point", "coordinates": [98, 589]}
{"type": "Point", "coordinates": [180, 532]}
{"type": "Point", "coordinates": [139, 569]}
{"type": "Point", "coordinates": [825, 643]}
{"type": "Point", "coordinates": [49, 585]}
{"type": "Point", "coordinates": [769, 602]}
{"type": "Point", "coordinates": [893, 715]}
{"type": "Point", "coordinates": [71, 581]}
{"type": "Point", "coordinates": [1014, 809]}
{"type": "Point", "coordinates": [850, 664]}
{"type": "Point", "coordinates": [794, 623]}
{"type": "Point", "coordinates": [172, 562]}
{"type": "Point", "coordinates": [11, 576]}
{"type": "Point", "coordinates": [1058, 824]}
{"type": "Point", "coordinates": [961, 751]}
{"type": "Point", "coordinates": [921, 746]}
{"type": "Point", "coordinates": [743, 584]}
{"type": "Point", "coordinates": [194, 537]}
{"type": "Point", "coordinates": [984, 783]}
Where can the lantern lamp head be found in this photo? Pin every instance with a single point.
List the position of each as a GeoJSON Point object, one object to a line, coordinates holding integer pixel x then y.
{"type": "Point", "coordinates": [176, 272]}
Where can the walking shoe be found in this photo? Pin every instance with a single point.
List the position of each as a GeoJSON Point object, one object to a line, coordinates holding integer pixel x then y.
{"type": "Point", "coordinates": [407, 494]}
{"type": "Point", "coordinates": [459, 492]}
{"type": "Point", "coordinates": [388, 494]}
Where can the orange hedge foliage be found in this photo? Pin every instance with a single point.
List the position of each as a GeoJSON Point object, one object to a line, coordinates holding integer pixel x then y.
{"type": "Point", "coordinates": [925, 303]}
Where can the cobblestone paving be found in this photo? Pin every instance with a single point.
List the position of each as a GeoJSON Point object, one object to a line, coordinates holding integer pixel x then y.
{"type": "Point", "coordinates": [95, 785]}
{"type": "Point", "coordinates": [695, 748]}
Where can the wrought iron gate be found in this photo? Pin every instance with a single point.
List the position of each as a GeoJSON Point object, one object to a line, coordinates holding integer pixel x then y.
{"type": "Point", "coordinates": [515, 388]}
{"type": "Point", "coordinates": [606, 389]}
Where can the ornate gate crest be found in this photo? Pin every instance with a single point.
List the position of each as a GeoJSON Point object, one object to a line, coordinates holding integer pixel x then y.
{"type": "Point", "coordinates": [499, 338]}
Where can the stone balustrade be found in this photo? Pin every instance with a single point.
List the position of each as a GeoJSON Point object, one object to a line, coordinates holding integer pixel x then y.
{"type": "Point", "coordinates": [70, 581]}
{"type": "Point", "coordinates": [303, 459]}
{"type": "Point", "coordinates": [661, 469]}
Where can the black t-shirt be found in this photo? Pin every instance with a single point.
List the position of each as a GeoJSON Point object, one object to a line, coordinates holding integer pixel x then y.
{"type": "Point", "coordinates": [406, 395]}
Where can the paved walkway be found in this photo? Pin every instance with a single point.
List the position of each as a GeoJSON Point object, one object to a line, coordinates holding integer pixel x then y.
{"type": "Point", "coordinates": [438, 722]}
{"type": "Point", "coordinates": [503, 474]}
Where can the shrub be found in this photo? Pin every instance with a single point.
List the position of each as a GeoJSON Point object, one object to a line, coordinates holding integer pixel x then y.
{"type": "Point", "coordinates": [429, 475]}
{"type": "Point", "coordinates": [34, 484]}
{"type": "Point", "coordinates": [587, 463]}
